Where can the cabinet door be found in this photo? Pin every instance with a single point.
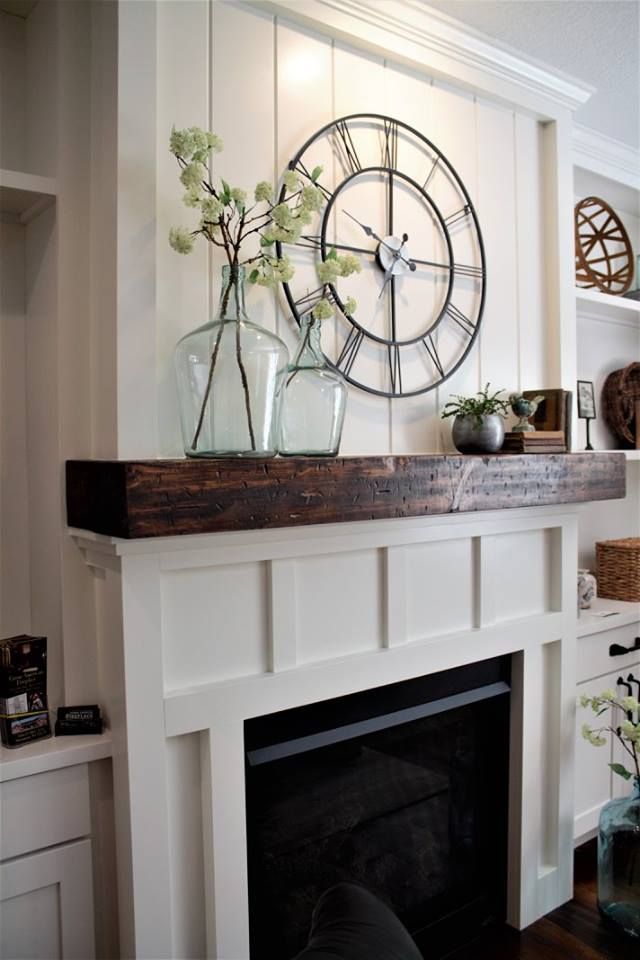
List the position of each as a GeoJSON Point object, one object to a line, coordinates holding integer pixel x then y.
{"type": "Point", "coordinates": [46, 905]}
{"type": "Point", "coordinates": [595, 783]}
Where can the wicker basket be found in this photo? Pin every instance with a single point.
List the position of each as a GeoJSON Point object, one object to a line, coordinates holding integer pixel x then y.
{"type": "Point", "coordinates": [620, 393]}
{"type": "Point", "coordinates": [618, 569]}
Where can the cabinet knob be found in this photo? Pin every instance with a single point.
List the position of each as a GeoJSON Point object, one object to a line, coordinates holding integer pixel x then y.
{"type": "Point", "coordinates": [617, 650]}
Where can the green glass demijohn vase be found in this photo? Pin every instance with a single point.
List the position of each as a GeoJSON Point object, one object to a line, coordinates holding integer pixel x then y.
{"type": "Point", "coordinates": [229, 374]}
{"type": "Point", "coordinates": [619, 862]}
{"type": "Point", "coordinates": [314, 399]}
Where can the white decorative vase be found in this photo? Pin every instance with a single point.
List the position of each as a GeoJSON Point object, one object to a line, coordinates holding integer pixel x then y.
{"type": "Point", "coordinates": [586, 589]}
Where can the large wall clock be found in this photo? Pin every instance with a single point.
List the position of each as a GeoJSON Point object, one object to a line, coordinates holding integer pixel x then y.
{"type": "Point", "coordinates": [393, 198]}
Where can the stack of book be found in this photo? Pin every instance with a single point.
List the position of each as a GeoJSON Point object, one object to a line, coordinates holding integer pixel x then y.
{"type": "Point", "coordinates": [535, 441]}
{"type": "Point", "coordinates": [554, 411]}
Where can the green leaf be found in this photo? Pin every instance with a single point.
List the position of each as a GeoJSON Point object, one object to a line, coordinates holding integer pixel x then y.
{"type": "Point", "coordinates": [253, 276]}
{"type": "Point", "coordinates": [620, 770]}
{"type": "Point", "coordinates": [315, 173]}
{"type": "Point", "coordinates": [225, 196]}
{"type": "Point", "coordinates": [333, 254]}
{"type": "Point", "coordinates": [265, 242]}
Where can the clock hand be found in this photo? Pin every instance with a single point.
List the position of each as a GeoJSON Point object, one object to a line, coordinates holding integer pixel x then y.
{"type": "Point", "coordinates": [388, 276]}
{"type": "Point", "coordinates": [371, 233]}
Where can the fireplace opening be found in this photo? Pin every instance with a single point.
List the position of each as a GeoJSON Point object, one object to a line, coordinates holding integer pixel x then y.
{"type": "Point", "coordinates": [402, 788]}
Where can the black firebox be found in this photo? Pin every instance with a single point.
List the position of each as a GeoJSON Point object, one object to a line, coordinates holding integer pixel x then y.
{"type": "Point", "coordinates": [402, 788]}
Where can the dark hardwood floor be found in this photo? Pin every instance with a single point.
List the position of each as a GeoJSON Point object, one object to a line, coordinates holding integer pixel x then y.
{"type": "Point", "coordinates": [574, 931]}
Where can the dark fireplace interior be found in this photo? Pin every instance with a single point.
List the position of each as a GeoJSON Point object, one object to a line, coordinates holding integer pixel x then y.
{"type": "Point", "coordinates": [402, 788]}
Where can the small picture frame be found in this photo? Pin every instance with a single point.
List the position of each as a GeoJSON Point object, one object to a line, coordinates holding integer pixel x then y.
{"type": "Point", "coordinates": [586, 400]}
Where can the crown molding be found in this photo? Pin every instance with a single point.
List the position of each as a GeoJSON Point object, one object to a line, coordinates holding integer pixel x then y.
{"type": "Point", "coordinates": [411, 32]}
{"type": "Point", "coordinates": [602, 154]}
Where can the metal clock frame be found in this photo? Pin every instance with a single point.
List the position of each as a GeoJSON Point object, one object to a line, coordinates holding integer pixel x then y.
{"type": "Point", "coordinates": [468, 208]}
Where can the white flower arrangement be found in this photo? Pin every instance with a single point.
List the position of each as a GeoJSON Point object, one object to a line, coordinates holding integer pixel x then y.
{"type": "Point", "coordinates": [627, 732]}
{"type": "Point", "coordinates": [226, 221]}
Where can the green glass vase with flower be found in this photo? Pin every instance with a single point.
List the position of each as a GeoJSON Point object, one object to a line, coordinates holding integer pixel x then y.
{"type": "Point", "coordinates": [230, 371]}
{"type": "Point", "coordinates": [619, 826]}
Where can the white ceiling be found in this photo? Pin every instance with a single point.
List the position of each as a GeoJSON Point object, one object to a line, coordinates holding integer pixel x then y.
{"type": "Point", "coordinates": [597, 41]}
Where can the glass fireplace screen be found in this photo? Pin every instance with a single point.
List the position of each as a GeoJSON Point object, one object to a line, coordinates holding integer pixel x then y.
{"type": "Point", "coordinates": [402, 789]}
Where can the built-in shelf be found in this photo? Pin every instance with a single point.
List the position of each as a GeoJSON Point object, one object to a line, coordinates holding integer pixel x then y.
{"type": "Point", "coordinates": [606, 306]}
{"type": "Point", "coordinates": [621, 613]}
{"type": "Point", "coordinates": [52, 754]}
{"type": "Point", "coordinates": [25, 195]}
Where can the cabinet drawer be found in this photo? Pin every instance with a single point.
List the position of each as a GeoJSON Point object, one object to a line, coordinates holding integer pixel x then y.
{"type": "Point", "coordinates": [44, 809]}
{"type": "Point", "coordinates": [594, 659]}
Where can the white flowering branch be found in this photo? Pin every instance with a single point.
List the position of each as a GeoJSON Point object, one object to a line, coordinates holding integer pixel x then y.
{"type": "Point", "coordinates": [627, 733]}
{"type": "Point", "coordinates": [227, 222]}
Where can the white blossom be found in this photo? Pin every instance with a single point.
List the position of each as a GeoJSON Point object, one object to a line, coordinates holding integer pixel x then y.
{"type": "Point", "coordinates": [263, 192]}
{"type": "Point", "coordinates": [181, 240]}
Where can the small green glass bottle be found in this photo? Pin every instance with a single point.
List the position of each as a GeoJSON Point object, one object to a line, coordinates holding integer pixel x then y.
{"type": "Point", "coordinates": [314, 399]}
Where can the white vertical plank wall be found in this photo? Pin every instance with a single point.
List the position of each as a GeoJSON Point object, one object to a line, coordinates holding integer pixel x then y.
{"type": "Point", "coordinates": [270, 84]}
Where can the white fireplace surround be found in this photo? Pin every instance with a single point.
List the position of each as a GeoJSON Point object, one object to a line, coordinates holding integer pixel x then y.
{"type": "Point", "coordinates": [198, 633]}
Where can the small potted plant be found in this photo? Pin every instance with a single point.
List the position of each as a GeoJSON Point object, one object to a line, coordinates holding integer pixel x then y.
{"type": "Point", "coordinates": [479, 421]}
{"type": "Point", "coordinates": [619, 827]}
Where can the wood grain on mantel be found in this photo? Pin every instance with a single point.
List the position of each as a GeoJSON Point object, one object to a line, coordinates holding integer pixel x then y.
{"type": "Point", "coordinates": [162, 498]}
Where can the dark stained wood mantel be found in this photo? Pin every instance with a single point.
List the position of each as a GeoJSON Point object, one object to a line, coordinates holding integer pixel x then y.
{"type": "Point", "coordinates": [162, 498]}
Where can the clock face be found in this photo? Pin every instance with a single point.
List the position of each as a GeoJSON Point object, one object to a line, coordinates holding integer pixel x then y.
{"type": "Point", "coordinates": [392, 198]}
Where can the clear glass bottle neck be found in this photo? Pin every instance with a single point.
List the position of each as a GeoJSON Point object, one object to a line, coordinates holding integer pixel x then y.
{"type": "Point", "coordinates": [309, 353]}
{"type": "Point", "coordinates": [232, 306]}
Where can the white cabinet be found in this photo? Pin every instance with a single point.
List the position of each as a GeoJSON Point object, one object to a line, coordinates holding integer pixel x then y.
{"type": "Point", "coordinates": [598, 670]}
{"type": "Point", "coordinates": [46, 905]}
{"type": "Point", "coordinates": [46, 869]}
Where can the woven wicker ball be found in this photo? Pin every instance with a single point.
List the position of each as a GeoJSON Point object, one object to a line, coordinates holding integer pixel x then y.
{"type": "Point", "coordinates": [604, 258]}
{"type": "Point", "coordinates": [620, 393]}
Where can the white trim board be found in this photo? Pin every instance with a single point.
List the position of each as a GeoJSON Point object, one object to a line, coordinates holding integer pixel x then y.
{"type": "Point", "coordinates": [412, 33]}
{"type": "Point", "coordinates": [603, 155]}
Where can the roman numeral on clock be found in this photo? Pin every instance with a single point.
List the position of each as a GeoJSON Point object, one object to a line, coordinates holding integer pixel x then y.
{"type": "Point", "coordinates": [390, 145]}
{"type": "Point", "coordinates": [395, 368]}
{"type": "Point", "coordinates": [430, 347]}
{"type": "Point", "coordinates": [349, 350]}
{"type": "Point", "coordinates": [467, 270]}
{"type": "Point", "coordinates": [465, 324]}
{"type": "Point", "coordinates": [302, 170]}
{"type": "Point", "coordinates": [345, 148]}
{"type": "Point", "coordinates": [458, 215]}
{"type": "Point", "coordinates": [431, 173]}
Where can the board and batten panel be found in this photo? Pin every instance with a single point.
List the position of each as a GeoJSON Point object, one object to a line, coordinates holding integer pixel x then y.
{"type": "Point", "coordinates": [523, 562]}
{"type": "Point", "coordinates": [206, 634]}
{"type": "Point", "coordinates": [184, 781]}
{"type": "Point", "coordinates": [288, 83]}
{"type": "Point", "coordinates": [533, 335]}
{"type": "Point", "coordinates": [15, 599]}
{"type": "Point", "coordinates": [244, 115]}
{"type": "Point", "coordinates": [339, 605]}
{"type": "Point", "coordinates": [304, 104]}
{"type": "Point", "coordinates": [499, 358]}
{"type": "Point", "coordinates": [182, 282]}
{"type": "Point", "coordinates": [12, 91]}
{"type": "Point", "coordinates": [453, 117]}
{"type": "Point", "coordinates": [437, 571]}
